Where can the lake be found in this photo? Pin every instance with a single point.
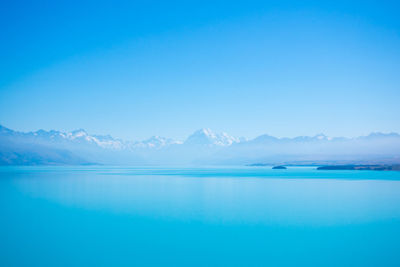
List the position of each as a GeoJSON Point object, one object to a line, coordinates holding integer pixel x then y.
{"type": "Point", "coordinates": [211, 216]}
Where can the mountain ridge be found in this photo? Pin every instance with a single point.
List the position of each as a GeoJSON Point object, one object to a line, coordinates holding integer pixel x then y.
{"type": "Point", "coordinates": [202, 146]}
{"type": "Point", "coordinates": [211, 137]}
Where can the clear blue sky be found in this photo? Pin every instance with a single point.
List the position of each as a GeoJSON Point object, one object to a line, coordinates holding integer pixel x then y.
{"type": "Point", "coordinates": [139, 68]}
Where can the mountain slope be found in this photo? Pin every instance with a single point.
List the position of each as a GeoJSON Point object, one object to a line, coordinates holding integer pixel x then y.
{"type": "Point", "coordinates": [202, 147]}
{"type": "Point", "coordinates": [206, 137]}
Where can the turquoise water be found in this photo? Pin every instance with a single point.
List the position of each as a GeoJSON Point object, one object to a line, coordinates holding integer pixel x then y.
{"type": "Point", "coordinates": [249, 216]}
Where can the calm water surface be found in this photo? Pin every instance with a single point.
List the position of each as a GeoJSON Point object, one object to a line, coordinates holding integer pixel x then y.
{"type": "Point", "coordinates": [119, 216]}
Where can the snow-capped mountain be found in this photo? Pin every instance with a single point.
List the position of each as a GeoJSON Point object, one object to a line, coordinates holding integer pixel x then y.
{"type": "Point", "coordinates": [78, 137]}
{"type": "Point", "coordinates": [203, 146]}
{"type": "Point", "coordinates": [209, 138]}
{"type": "Point", "coordinates": [155, 142]}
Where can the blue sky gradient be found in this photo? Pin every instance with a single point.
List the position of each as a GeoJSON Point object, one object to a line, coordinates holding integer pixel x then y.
{"type": "Point", "coordinates": [136, 69]}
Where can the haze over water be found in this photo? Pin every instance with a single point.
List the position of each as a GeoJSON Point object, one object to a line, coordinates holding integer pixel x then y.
{"type": "Point", "coordinates": [241, 216]}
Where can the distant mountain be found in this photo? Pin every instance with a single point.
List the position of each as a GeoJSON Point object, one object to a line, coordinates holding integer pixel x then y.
{"type": "Point", "coordinates": [206, 137]}
{"type": "Point", "coordinates": [202, 147]}
{"type": "Point", "coordinates": [31, 154]}
{"type": "Point", "coordinates": [18, 148]}
{"type": "Point", "coordinates": [155, 142]}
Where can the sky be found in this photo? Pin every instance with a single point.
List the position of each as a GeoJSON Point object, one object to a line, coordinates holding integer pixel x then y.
{"type": "Point", "coordinates": [134, 69]}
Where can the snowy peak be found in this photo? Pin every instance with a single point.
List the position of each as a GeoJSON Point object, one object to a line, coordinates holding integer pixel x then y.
{"type": "Point", "coordinates": [207, 137]}
{"type": "Point", "coordinates": [202, 137]}
{"type": "Point", "coordinates": [155, 142]}
{"type": "Point", "coordinates": [103, 141]}
{"type": "Point", "coordinates": [203, 146]}
{"type": "Point", "coordinates": [78, 133]}
{"type": "Point", "coordinates": [321, 136]}
{"type": "Point", "coordinates": [228, 139]}
{"type": "Point", "coordinates": [77, 137]}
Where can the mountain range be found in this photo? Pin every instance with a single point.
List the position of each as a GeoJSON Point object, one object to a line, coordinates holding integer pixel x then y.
{"type": "Point", "coordinates": [202, 147]}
